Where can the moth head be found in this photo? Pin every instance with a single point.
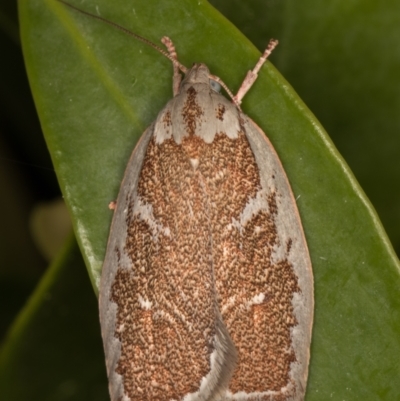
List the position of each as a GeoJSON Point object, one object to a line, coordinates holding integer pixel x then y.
{"type": "Point", "coordinates": [198, 74]}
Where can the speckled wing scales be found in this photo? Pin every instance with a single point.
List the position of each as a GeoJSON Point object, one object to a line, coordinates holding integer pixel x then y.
{"type": "Point", "coordinates": [163, 333]}
{"type": "Point", "coordinates": [116, 263]}
{"type": "Point", "coordinates": [206, 291]}
{"type": "Point", "coordinates": [272, 319]}
{"type": "Point", "coordinates": [262, 266]}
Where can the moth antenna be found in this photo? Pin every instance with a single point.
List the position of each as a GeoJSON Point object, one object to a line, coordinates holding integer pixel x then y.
{"type": "Point", "coordinates": [130, 33]}
{"type": "Point", "coordinates": [253, 74]}
{"type": "Point", "coordinates": [227, 90]}
{"type": "Point", "coordinates": [177, 78]}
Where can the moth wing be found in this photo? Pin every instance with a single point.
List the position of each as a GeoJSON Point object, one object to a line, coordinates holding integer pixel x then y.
{"type": "Point", "coordinates": [285, 302]}
{"type": "Point", "coordinates": [268, 159]}
{"type": "Point", "coordinates": [113, 259]}
{"type": "Point", "coordinates": [162, 331]}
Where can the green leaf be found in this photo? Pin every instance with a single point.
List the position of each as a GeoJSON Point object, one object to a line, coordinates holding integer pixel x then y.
{"type": "Point", "coordinates": [96, 90]}
{"type": "Point", "coordinates": [53, 351]}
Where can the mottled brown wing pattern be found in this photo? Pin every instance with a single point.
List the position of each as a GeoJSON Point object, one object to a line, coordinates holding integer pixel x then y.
{"type": "Point", "coordinates": [206, 291]}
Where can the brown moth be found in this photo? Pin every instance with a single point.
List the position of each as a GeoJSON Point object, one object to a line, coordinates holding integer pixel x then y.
{"type": "Point", "coordinates": [206, 291]}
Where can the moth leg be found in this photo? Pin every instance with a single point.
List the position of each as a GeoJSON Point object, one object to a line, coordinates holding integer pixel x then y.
{"type": "Point", "coordinates": [177, 78]}
{"type": "Point", "coordinates": [252, 75]}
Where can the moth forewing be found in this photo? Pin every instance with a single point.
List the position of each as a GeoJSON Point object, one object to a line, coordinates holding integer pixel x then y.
{"type": "Point", "coordinates": [291, 248]}
{"type": "Point", "coordinates": [110, 324]}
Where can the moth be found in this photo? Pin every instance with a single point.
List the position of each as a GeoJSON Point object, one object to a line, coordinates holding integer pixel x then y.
{"type": "Point", "coordinates": [206, 291]}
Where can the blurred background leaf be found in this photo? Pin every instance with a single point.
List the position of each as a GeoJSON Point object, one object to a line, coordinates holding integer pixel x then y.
{"type": "Point", "coordinates": [54, 349]}
{"type": "Point", "coordinates": [342, 59]}
{"type": "Point", "coordinates": [26, 173]}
